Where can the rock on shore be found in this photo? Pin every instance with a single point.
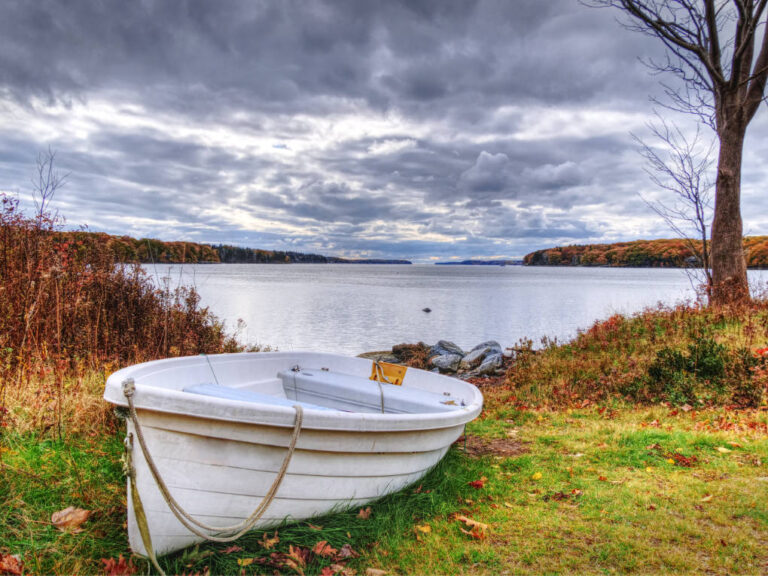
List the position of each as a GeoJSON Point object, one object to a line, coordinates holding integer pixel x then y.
{"type": "Point", "coordinates": [485, 359]}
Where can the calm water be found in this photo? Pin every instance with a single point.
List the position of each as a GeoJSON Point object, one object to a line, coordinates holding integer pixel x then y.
{"type": "Point", "coordinates": [355, 308]}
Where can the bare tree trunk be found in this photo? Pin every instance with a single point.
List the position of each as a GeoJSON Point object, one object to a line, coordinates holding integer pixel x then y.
{"type": "Point", "coordinates": [729, 270]}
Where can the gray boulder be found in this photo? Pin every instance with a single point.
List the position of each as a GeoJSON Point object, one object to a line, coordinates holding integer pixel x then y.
{"type": "Point", "coordinates": [474, 358]}
{"type": "Point", "coordinates": [446, 362]}
{"type": "Point", "coordinates": [444, 347]}
{"type": "Point", "coordinates": [492, 344]}
{"type": "Point", "coordinates": [491, 363]}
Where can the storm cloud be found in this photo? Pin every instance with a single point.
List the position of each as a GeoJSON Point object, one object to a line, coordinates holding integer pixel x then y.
{"type": "Point", "coordinates": [426, 129]}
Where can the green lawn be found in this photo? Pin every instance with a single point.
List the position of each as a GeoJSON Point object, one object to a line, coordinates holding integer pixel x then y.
{"type": "Point", "coordinates": [599, 490]}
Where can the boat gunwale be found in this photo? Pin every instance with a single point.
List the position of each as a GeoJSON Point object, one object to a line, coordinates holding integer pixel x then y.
{"type": "Point", "coordinates": [160, 399]}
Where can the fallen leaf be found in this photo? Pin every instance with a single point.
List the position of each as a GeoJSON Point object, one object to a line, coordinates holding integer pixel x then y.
{"type": "Point", "coordinates": [734, 444]}
{"type": "Point", "coordinates": [347, 552]}
{"type": "Point", "coordinates": [324, 549]}
{"type": "Point", "coordinates": [508, 505]}
{"type": "Point", "coordinates": [313, 527]}
{"type": "Point", "coordinates": [474, 533]}
{"type": "Point", "coordinates": [649, 469]}
{"type": "Point", "coordinates": [651, 507]}
{"type": "Point", "coordinates": [375, 572]}
{"type": "Point", "coordinates": [536, 476]}
{"type": "Point", "coordinates": [231, 549]}
{"type": "Point", "coordinates": [686, 407]}
{"type": "Point", "coordinates": [602, 479]}
{"type": "Point", "coordinates": [364, 513]}
{"type": "Point", "coordinates": [327, 571]}
{"type": "Point", "coordinates": [299, 555]}
{"type": "Point", "coordinates": [723, 450]}
{"type": "Point", "coordinates": [425, 528]}
{"type": "Point", "coordinates": [112, 566]}
{"type": "Point", "coordinates": [267, 543]}
{"type": "Point", "coordinates": [707, 498]}
{"type": "Point", "coordinates": [70, 519]}
{"type": "Point", "coordinates": [11, 564]}
{"type": "Point", "coordinates": [577, 492]}
{"type": "Point", "coordinates": [476, 526]}
{"type": "Point", "coordinates": [670, 460]}
{"type": "Point", "coordinates": [245, 562]}
{"type": "Point", "coordinates": [343, 570]}
{"type": "Point", "coordinates": [478, 483]}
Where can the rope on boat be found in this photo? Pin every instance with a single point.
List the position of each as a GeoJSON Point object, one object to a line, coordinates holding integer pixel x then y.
{"type": "Point", "coordinates": [221, 533]}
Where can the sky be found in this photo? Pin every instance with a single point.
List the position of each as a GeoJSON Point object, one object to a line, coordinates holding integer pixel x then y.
{"type": "Point", "coordinates": [425, 130]}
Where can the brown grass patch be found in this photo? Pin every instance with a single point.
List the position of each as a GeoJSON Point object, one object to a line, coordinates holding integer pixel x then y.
{"type": "Point", "coordinates": [477, 446]}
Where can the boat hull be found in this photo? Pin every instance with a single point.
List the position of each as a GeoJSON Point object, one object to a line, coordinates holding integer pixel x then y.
{"type": "Point", "coordinates": [220, 480]}
{"type": "Point", "coordinates": [220, 468]}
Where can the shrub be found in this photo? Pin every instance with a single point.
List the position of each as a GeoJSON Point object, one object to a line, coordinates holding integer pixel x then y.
{"type": "Point", "coordinates": [68, 307]}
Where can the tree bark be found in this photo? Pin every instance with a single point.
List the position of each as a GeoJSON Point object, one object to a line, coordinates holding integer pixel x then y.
{"type": "Point", "coordinates": [729, 270]}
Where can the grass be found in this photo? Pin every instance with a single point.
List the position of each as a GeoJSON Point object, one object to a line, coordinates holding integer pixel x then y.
{"type": "Point", "coordinates": [601, 490]}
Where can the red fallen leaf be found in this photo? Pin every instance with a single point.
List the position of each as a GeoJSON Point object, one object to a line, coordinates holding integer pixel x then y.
{"type": "Point", "coordinates": [364, 513]}
{"type": "Point", "coordinates": [602, 479]}
{"type": "Point", "coordinates": [232, 549]}
{"type": "Point", "coordinates": [313, 527]}
{"type": "Point", "coordinates": [324, 549]}
{"type": "Point", "coordinates": [477, 484]}
{"type": "Point", "coordinates": [11, 564]}
{"type": "Point", "coordinates": [327, 571]}
{"type": "Point", "coordinates": [119, 567]}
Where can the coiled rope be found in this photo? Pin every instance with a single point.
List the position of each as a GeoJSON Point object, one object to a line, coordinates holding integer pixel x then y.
{"type": "Point", "coordinates": [220, 533]}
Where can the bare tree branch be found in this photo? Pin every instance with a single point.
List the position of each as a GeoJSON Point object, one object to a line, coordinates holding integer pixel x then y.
{"type": "Point", "coordinates": [711, 47]}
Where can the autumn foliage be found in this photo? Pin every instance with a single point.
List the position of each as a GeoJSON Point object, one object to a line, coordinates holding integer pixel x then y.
{"type": "Point", "coordinates": [682, 355]}
{"type": "Point", "coordinates": [67, 306]}
{"type": "Point", "coordinates": [674, 253]}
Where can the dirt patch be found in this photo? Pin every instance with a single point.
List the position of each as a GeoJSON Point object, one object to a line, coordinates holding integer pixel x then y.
{"type": "Point", "coordinates": [506, 447]}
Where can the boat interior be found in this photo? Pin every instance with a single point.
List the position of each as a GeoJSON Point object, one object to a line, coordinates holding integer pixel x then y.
{"type": "Point", "coordinates": [323, 389]}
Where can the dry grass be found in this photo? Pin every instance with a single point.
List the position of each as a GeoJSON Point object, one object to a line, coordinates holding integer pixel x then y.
{"type": "Point", "coordinates": [613, 358]}
{"type": "Point", "coordinates": [70, 311]}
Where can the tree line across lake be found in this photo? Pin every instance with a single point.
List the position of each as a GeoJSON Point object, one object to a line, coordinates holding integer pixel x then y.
{"type": "Point", "coordinates": [675, 253]}
{"type": "Point", "coordinates": [149, 250]}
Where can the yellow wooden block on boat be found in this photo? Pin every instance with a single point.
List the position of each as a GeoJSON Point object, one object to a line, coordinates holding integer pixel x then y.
{"type": "Point", "coordinates": [388, 372]}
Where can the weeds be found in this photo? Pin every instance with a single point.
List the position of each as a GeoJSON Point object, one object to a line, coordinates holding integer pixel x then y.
{"type": "Point", "coordinates": [68, 309]}
{"type": "Point", "coordinates": [681, 355]}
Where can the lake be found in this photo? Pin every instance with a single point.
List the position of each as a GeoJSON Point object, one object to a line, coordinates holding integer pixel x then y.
{"type": "Point", "coordinates": [351, 309]}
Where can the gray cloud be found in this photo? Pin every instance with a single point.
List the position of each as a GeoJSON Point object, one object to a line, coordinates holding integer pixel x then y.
{"type": "Point", "coordinates": [393, 129]}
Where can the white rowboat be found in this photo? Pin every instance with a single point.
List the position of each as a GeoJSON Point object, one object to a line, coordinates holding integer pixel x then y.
{"type": "Point", "coordinates": [219, 428]}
